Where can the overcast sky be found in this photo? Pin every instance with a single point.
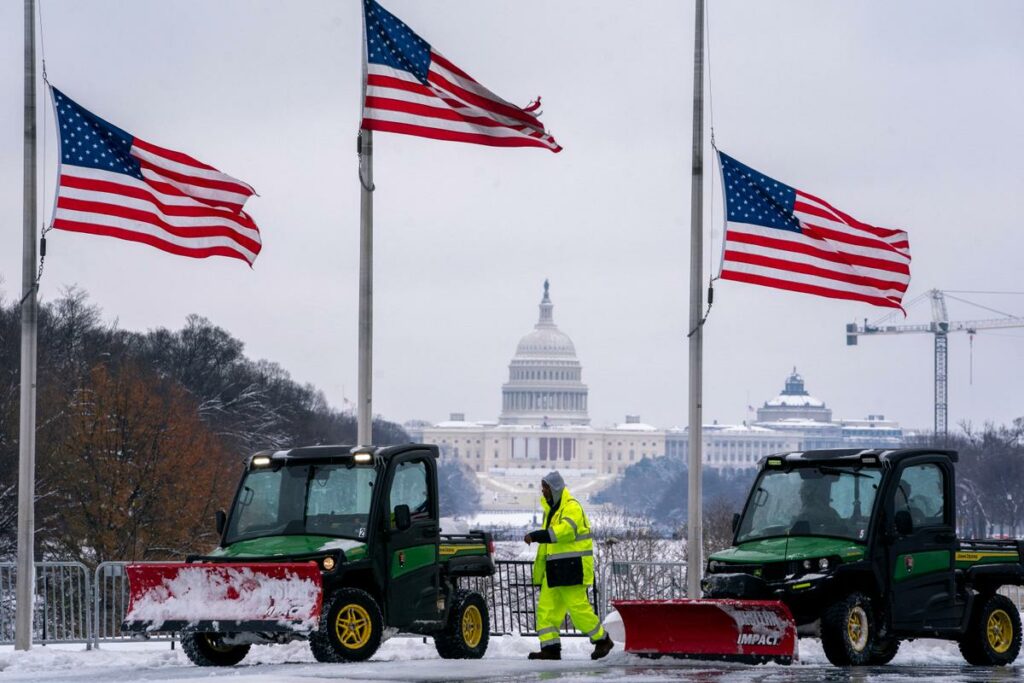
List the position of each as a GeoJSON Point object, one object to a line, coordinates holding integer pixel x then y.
{"type": "Point", "coordinates": [903, 114]}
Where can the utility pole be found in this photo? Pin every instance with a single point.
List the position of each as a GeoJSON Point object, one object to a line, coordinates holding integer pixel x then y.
{"type": "Point", "coordinates": [25, 589]}
{"type": "Point", "coordinates": [694, 532]}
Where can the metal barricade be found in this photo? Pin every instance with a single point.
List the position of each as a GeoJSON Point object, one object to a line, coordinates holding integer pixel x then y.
{"type": "Point", "coordinates": [111, 604]}
{"type": "Point", "coordinates": [1015, 593]}
{"type": "Point", "coordinates": [644, 581]}
{"type": "Point", "coordinates": [512, 598]}
{"type": "Point", "coordinates": [62, 612]}
{"type": "Point", "coordinates": [74, 606]}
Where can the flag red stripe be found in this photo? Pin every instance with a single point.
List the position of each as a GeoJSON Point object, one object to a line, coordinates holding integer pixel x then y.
{"type": "Point", "coordinates": [814, 210]}
{"type": "Point", "coordinates": [392, 83]}
{"type": "Point", "coordinates": [109, 187]}
{"type": "Point", "coordinates": [807, 289]}
{"type": "Point", "coordinates": [830, 235]}
{"type": "Point", "coordinates": [196, 181]}
{"type": "Point", "coordinates": [847, 218]}
{"type": "Point", "coordinates": [520, 113]}
{"type": "Point", "coordinates": [808, 269]}
{"type": "Point", "coordinates": [131, 236]}
{"type": "Point", "coordinates": [455, 136]}
{"type": "Point", "coordinates": [446, 113]}
{"type": "Point", "coordinates": [399, 84]}
{"type": "Point", "coordinates": [440, 59]}
{"type": "Point", "coordinates": [121, 211]}
{"type": "Point", "coordinates": [836, 257]}
{"type": "Point", "coordinates": [483, 102]}
{"type": "Point", "coordinates": [167, 188]}
{"type": "Point", "coordinates": [172, 155]}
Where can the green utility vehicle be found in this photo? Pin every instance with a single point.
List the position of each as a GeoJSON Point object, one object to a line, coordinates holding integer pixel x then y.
{"type": "Point", "coordinates": [861, 546]}
{"type": "Point", "coordinates": [368, 517]}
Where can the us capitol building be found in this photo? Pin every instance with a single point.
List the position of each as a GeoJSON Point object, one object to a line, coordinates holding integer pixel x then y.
{"type": "Point", "coordinates": [544, 424]}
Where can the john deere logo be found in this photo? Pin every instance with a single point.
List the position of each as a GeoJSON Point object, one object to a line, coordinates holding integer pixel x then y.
{"type": "Point", "coordinates": [908, 562]}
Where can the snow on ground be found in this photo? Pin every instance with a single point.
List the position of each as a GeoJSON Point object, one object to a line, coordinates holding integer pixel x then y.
{"type": "Point", "coordinates": [410, 659]}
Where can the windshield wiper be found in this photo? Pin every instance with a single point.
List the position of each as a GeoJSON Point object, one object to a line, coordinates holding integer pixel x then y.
{"type": "Point", "coordinates": [826, 469]}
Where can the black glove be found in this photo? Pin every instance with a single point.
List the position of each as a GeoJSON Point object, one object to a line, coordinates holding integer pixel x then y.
{"type": "Point", "coordinates": [539, 536]}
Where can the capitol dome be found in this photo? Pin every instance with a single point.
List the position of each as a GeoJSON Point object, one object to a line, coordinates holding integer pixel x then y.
{"type": "Point", "coordinates": [545, 384]}
{"type": "Point", "coordinates": [546, 340]}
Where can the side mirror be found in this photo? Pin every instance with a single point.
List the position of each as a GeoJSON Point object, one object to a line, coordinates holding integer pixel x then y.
{"type": "Point", "coordinates": [904, 523]}
{"type": "Point", "coordinates": [222, 520]}
{"type": "Point", "coordinates": [735, 521]}
{"type": "Point", "coordinates": [403, 518]}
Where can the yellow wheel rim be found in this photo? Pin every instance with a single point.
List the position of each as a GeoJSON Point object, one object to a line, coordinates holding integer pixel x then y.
{"type": "Point", "coordinates": [999, 630]}
{"type": "Point", "coordinates": [216, 644]}
{"type": "Point", "coordinates": [352, 627]}
{"type": "Point", "coordinates": [857, 628]}
{"type": "Point", "coordinates": [472, 626]}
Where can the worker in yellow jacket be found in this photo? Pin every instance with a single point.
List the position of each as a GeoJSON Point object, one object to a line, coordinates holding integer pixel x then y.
{"type": "Point", "coordinates": [563, 569]}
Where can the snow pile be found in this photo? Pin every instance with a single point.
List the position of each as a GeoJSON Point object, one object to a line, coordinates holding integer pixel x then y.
{"type": "Point", "coordinates": [201, 593]}
{"type": "Point", "coordinates": [412, 659]}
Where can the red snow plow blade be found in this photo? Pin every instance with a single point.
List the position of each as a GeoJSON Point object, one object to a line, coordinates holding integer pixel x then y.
{"type": "Point", "coordinates": [223, 597]}
{"type": "Point", "coordinates": [738, 630]}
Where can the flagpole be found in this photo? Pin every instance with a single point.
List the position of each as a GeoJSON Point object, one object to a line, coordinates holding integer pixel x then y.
{"type": "Point", "coordinates": [694, 536]}
{"type": "Point", "coordinates": [364, 399]}
{"type": "Point", "coordinates": [25, 588]}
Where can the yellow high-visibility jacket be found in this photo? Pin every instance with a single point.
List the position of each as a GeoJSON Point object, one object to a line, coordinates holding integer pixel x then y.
{"type": "Point", "coordinates": [567, 559]}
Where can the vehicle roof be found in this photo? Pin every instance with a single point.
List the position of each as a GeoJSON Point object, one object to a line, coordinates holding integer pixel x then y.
{"type": "Point", "coordinates": [343, 451]}
{"type": "Point", "coordinates": [856, 455]}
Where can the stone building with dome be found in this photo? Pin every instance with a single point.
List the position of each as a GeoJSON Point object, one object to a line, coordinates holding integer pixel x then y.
{"type": "Point", "coordinates": [793, 420]}
{"type": "Point", "coordinates": [544, 424]}
{"type": "Point", "coordinates": [545, 379]}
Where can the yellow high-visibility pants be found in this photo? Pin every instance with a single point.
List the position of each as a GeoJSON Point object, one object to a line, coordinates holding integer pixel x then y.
{"type": "Point", "coordinates": [552, 607]}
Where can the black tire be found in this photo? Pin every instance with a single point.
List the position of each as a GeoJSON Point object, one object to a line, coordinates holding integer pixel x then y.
{"type": "Point", "coordinates": [207, 649]}
{"type": "Point", "coordinates": [468, 629]}
{"type": "Point", "coordinates": [883, 651]}
{"type": "Point", "coordinates": [993, 633]}
{"type": "Point", "coordinates": [848, 631]}
{"type": "Point", "coordinates": [351, 628]}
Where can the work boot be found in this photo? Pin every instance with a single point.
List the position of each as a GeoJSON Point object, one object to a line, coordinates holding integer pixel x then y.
{"type": "Point", "coordinates": [548, 652]}
{"type": "Point", "coordinates": [602, 647]}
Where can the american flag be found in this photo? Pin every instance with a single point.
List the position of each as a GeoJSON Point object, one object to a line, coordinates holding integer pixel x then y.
{"type": "Point", "coordinates": [112, 183]}
{"type": "Point", "coordinates": [412, 89]}
{"type": "Point", "coordinates": [778, 236]}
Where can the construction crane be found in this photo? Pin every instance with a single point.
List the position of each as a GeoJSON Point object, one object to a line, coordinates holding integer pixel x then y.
{"type": "Point", "coordinates": [940, 327]}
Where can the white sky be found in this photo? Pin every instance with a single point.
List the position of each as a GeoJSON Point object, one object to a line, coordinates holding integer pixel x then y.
{"type": "Point", "coordinates": [904, 114]}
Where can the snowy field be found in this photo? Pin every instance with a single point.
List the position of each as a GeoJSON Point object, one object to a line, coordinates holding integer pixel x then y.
{"type": "Point", "coordinates": [409, 659]}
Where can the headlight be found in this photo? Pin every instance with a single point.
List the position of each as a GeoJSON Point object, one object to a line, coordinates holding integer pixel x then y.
{"type": "Point", "coordinates": [823, 564]}
{"type": "Point", "coordinates": [807, 564]}
{"type": "Point", "coordinates": [714, 566]}
{"type": "Point", "coordinates": [328, 563]}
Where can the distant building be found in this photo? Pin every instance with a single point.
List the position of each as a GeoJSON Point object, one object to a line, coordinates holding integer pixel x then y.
{"type": "Point", "coordinates": [545, 424]}
{"type": "Point", "coordinates": [545, 379]}
{"type": "Point", "coordinates": [794, 403]}
{"type": "Point", "coordinates": [792, 421]}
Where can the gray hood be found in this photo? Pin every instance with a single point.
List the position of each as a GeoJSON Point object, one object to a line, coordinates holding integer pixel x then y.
{"type": "Point", "coordinates": [557, 484]}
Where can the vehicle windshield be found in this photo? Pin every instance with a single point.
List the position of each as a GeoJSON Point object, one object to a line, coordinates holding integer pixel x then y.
{"type": "Point", "coordinates": [321, 500]}
{"type": "Point", "coordinates": [811, 501]}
